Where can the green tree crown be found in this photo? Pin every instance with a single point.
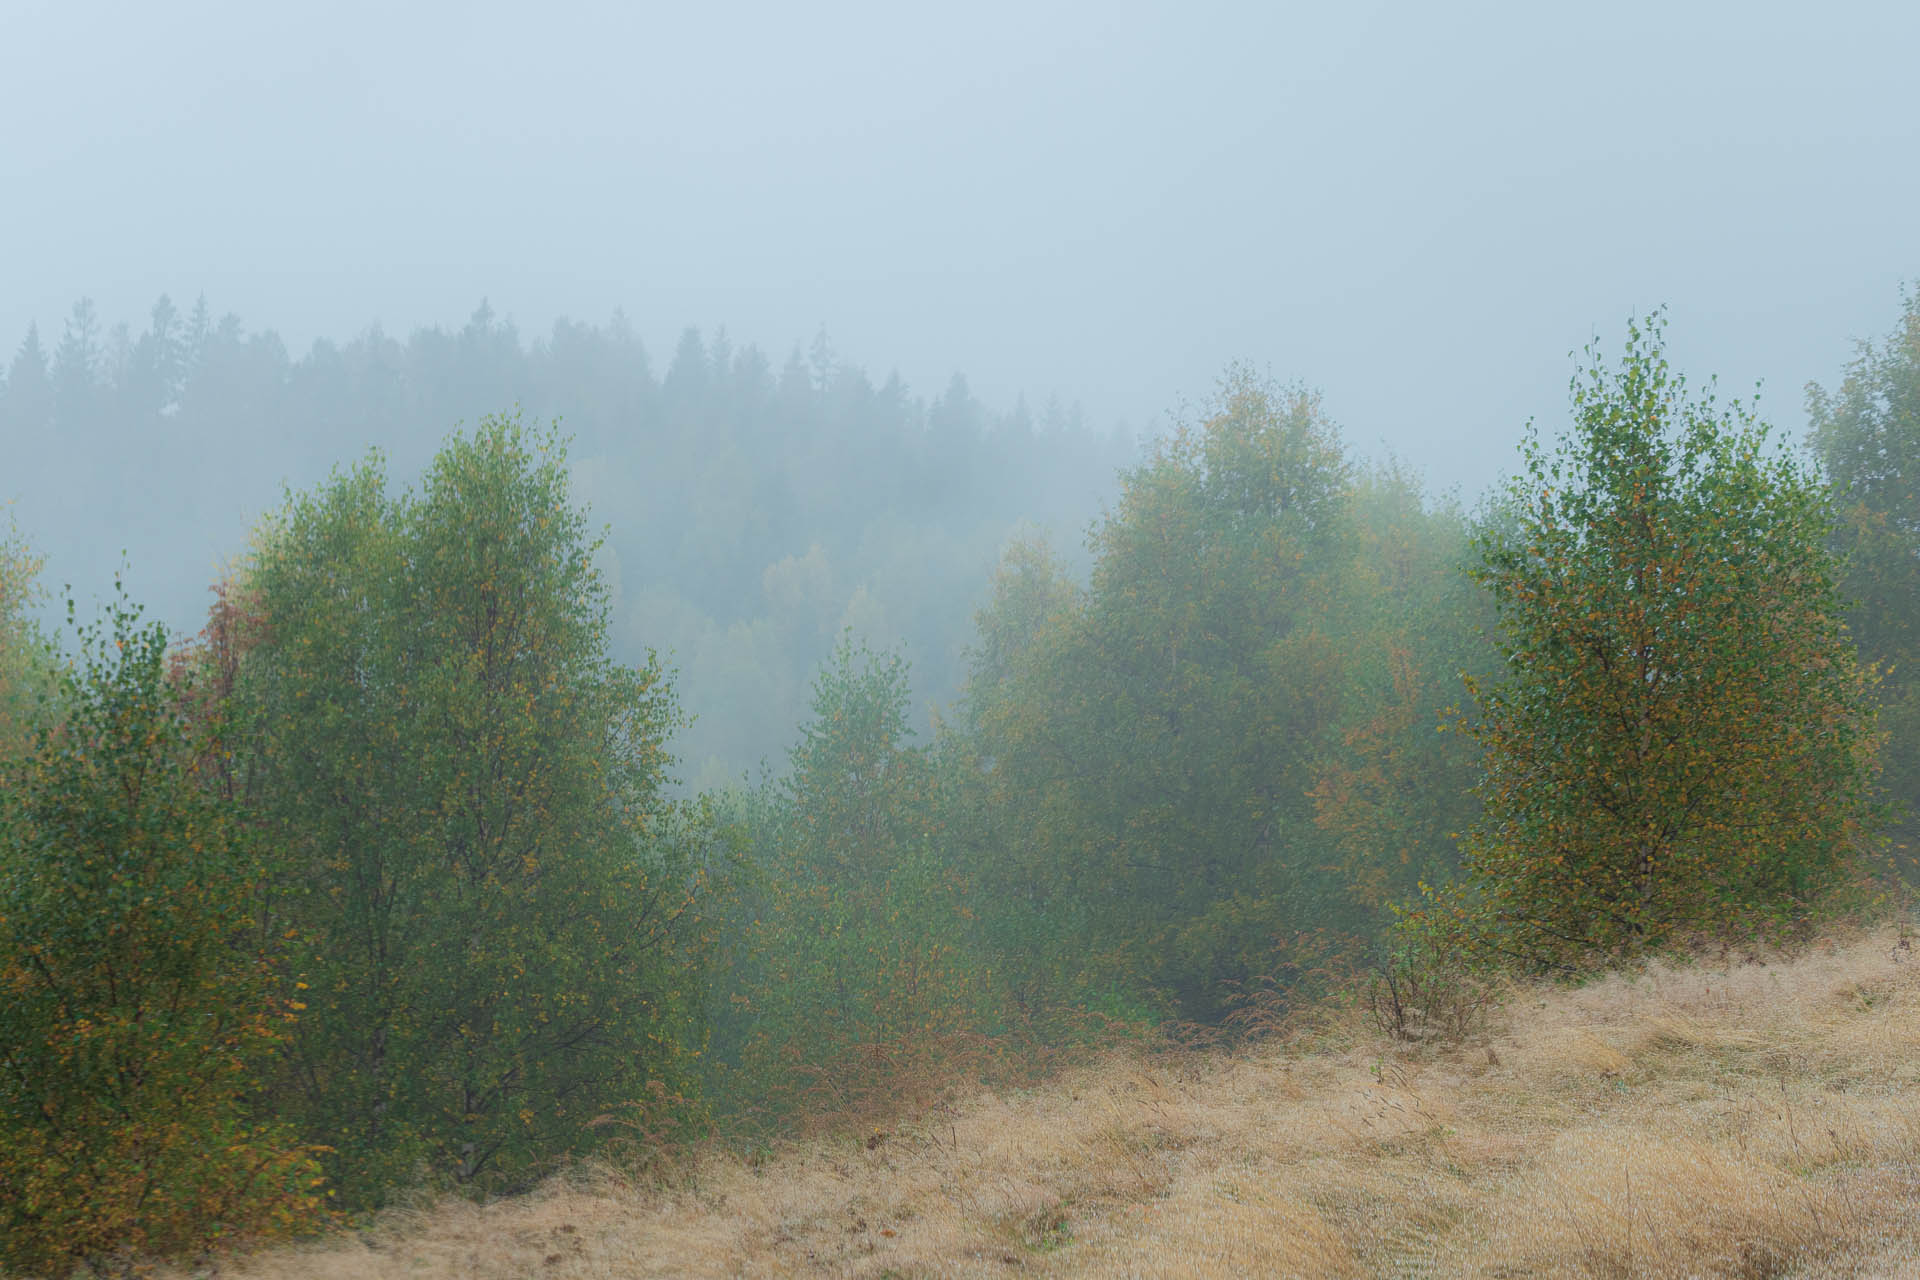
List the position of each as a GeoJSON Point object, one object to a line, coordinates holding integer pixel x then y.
{"type": "Point", "coordinates": [1678, 737]}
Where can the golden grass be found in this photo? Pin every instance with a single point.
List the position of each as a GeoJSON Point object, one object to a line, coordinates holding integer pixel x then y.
{"type": "Point", "coordinates": [1742, 1120]}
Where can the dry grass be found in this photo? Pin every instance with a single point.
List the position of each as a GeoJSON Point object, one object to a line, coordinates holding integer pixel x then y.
{"type": "Point", "coordinates": [1752, 1120]}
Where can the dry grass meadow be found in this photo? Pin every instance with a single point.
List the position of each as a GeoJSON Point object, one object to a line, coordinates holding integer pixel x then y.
{"type": "Point", "coordinates": [1745, 1118]}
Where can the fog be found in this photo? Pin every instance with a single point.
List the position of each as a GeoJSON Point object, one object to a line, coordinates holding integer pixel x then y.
{"type": "Point", "coordinates": [724, 572]}
{"type": "Point", "coordinates": [1421, 212]}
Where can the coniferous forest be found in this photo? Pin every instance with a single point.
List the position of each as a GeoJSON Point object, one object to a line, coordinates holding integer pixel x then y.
{"type": "Point", "coordinates": [614, 759]}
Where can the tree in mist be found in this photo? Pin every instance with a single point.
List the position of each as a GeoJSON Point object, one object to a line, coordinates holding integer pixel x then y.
{"type": "Point", "coordinates": [155, 370]}
{"type": "Point", "coordinates": [708, 474]}
{"type": "Point", "coordinates": [1154, 740]}
{"type": "Point", "coordinates": [138, 1006]}
{"type": "Point", "coordinates": [1392, 792]}
{"type": "Point", "coordinates": [479, 878]}
{"type": "Point", "coordinates": [1678, 737]}
{"type": "Point", "coordinates": [25, 662]}
{"type": "Point", "coordinates": [1867, 438]}
{"type": "Point", "coordinates": [26, 404]}
{"type": "Point", "coordinates": [77, 370]}
{"type": "Point", "coordinates": [854, 951]}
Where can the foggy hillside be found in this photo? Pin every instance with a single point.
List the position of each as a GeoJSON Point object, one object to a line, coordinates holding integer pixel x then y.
{"type": "Point", "coordinates": [622, 587]}
{"type": "Point", "coordinates": [754, 508]}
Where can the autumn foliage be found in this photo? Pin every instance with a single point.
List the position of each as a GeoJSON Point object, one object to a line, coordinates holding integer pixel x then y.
{"type": "Point", "coordinates": [384, 882]}
{"type": "Point", "coordinates": [138, 1007]}
{"type": "Point", "coordinates": [23, 673]}
{"type": "Point", "coordinates": [1678, 738]}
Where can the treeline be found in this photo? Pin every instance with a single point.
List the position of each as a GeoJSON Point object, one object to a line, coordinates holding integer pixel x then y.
{"type": "Point", "coordinates": [379, 880]}
{"type": "Point", "coordinates": [755, 508]}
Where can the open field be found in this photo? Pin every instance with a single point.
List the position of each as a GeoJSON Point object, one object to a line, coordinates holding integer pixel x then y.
{"type": "Point", "coordinates": [1744, 1118]}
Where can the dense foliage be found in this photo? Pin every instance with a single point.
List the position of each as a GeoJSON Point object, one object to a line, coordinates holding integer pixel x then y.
{"type": "Point", "coordinates": [856, 959]}
{"type": "Point", "coordinates": [23, 666]}
{"type": "Point", "coordinates": [383, 879]}
{"type": "Point", "coordinates": [477, 877]}
{"type": "Point", "coordinates": [1867, 436]}
{"type": "Point", "coordinates": [1678, 737]}
{"type": "Point", "coordinates": [138, 1001]}
{"type": "Point", "coordinates": [1156, 742]}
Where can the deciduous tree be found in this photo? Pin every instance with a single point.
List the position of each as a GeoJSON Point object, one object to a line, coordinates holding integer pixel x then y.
{"type": "Point", "coordinates": [482, 879]}
{"type": "Point", "coordinates": [857, 958]}
{"type": "Point", "coordinates": [137, 1006]}
{"type": "Point", "coordinates": [1153, 740]}
{"type": "Point", "coordinates": [1678, 738]}
{"type": "Point", "coordinates": [1867, 437]}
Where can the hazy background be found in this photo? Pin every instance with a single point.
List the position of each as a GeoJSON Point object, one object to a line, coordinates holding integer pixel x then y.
{"type": "Point", "coordinates": [1418, 209]}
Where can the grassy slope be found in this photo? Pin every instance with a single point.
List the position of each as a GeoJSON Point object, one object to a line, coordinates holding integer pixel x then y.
{"type": "Point", "coordinates": [1743, 1119]}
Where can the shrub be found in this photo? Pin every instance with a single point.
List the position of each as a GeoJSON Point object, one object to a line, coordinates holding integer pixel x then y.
{"type": "Point", "coordinates": [137, 1005]}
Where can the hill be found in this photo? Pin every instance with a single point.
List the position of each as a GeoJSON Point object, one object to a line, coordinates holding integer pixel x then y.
{"type": "Point", "coordinates": [1750, 1116]}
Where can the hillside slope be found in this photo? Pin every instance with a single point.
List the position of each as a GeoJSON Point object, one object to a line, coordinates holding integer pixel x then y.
{"type": "Point", "coordinates": [1746, 1119]}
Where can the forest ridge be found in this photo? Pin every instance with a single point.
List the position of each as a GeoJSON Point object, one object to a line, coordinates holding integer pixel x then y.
{"type": "Point", "coordinates": [752, 507]}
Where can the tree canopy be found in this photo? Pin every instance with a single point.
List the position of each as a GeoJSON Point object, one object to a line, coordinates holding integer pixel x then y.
{"type": "Point", "coordinates": [1678, 737]}
{"type": "Point", "coordinates": [478, 872]}
{"type": "Point", "coordinates": [385, 879]}
{"type": "Point", "coordinates": [1867, 437]}
{"type": "Point", "coordinates": [139, 1005]}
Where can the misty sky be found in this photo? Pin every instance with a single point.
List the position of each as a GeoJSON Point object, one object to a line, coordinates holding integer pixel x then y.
{"type": "Point", "coordinates": [1419, 209]}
